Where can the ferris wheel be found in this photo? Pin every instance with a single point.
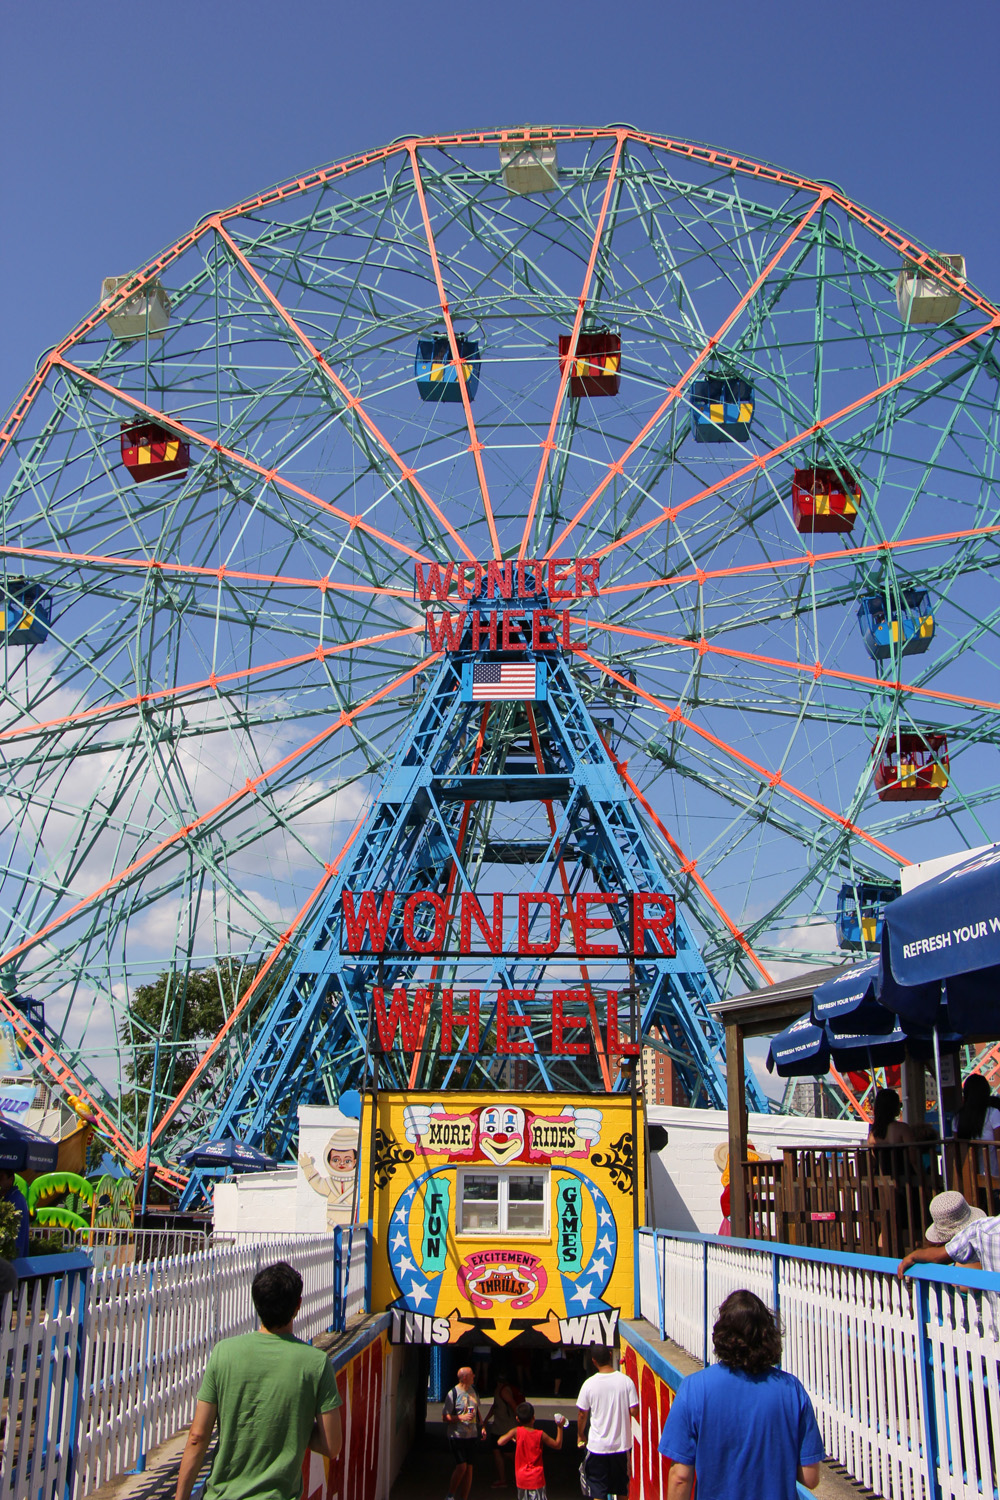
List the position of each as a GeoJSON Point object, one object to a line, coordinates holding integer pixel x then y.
{"type": "Point", "coordinates": [768, 420]}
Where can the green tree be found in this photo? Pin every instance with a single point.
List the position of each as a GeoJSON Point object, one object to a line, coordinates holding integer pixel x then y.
{"type": "Point", "coordinates": [184, 1012]}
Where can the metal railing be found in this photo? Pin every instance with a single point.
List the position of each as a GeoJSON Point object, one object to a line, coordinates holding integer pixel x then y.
{"type": "Point", "coordinates": [904, 1374]}
{"type": "Point", "coordinates": [120, 1246]}
{"type": "Point", "coordinates": [353, 1257]}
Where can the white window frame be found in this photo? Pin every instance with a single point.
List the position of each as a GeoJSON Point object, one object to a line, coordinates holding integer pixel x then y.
{"type": "Point", "coordinates": [503, 1176]}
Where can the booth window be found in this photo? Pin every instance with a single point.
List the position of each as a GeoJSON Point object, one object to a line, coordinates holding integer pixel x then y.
{"type": "Point", "coordinates": [504, 1202]}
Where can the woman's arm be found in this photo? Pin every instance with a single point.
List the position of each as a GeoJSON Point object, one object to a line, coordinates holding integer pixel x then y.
{"type": "Point", "coordinates": [809, 1475]}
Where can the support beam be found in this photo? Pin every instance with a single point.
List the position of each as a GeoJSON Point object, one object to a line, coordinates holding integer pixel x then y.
{"type": "Point", "coordinates": [737, 1107]}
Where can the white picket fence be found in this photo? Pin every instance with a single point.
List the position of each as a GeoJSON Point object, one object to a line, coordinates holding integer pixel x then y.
{"type": "Point", "coordinates": [101, 1367]}
{"type": "Point", "coordinates": [904, 1375]}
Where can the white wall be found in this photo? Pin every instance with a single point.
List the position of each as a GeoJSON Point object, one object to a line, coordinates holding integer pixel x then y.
{"type": "Point", "coordinates": [686, 1183]}
{"type": "Point", "coordinates": [288, 1201]}
{"type": "Point", "coordinates": [261, 1202]}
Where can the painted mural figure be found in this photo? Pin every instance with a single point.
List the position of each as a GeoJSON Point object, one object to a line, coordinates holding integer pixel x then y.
{"type": "Point", "coordinates": [337, 1185]}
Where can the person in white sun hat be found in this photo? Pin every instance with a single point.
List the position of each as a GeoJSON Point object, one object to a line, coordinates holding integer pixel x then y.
{"type": "Point", "coordinates": [957, 1233]}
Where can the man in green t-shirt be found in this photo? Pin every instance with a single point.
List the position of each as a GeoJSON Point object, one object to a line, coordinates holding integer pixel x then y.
{"type": "Point", "coordinates": [273, 1397]}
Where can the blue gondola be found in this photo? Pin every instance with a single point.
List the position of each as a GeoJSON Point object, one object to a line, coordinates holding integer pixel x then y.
{"type": "Point", "coordinates": [25, 613]}
{"type": "Point", "coordinates": [722, 409]}
{"type": "Point", "coordinates": [861, 912]}
{"type": "Point", "coordinates": [436, 376]}
{"type": "Point", "coordinates": [881, 632]}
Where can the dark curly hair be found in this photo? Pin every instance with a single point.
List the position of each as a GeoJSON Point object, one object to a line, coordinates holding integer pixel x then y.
{"type": "Point", "coordinates": [746, 1335]}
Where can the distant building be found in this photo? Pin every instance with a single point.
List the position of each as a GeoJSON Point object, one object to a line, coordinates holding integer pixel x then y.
{"type": "Point", "coordinates": [660, 1083]}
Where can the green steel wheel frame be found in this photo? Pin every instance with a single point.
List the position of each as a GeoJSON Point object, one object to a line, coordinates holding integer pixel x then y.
{"type": "Point", "coordinates": [234, 649]}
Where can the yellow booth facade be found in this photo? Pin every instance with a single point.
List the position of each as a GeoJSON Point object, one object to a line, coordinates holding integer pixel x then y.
{"type": "Point", "coordinates": [503, 1215]}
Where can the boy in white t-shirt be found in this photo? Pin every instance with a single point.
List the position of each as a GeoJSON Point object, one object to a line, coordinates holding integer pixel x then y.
{"type": "Point", "coordinates": [610, 1401]}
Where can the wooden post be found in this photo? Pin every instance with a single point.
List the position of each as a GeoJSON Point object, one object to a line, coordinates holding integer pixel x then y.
{"type": "Point", "coordinates": [736, 1098]}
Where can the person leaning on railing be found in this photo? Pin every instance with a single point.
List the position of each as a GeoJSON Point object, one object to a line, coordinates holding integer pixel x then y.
{"type": "Point", "coordinates": [743, 1427]}
{"type": "Point", "coordinates": [957, 1233]}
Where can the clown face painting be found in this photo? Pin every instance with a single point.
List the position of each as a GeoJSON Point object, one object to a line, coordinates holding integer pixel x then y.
{"type": "Point", "coordinates": [501, 1133]}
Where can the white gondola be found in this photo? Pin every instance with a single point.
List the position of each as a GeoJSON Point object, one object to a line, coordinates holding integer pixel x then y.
{"type": "Point", "coordinates": [922, 298]}
{"type": "Point", "coordinates": [529, 166]}
{"type": "Point", "coordinates": [145, 315]}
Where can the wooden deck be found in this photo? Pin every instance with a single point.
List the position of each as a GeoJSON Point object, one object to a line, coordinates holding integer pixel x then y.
{"type": "Point", "coordinates": [867, 1200]}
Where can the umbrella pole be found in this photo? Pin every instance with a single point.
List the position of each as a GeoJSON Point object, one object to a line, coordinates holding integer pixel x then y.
{"type": "Point", "coordinates": [940, 1102]}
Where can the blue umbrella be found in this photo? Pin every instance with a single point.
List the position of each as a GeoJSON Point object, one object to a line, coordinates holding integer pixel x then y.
{"type": "Point", "coordinates": [228, 1152]}
{"type": "Point", "coordinates": [941, 949]}
{"type": "Point", "coordinates": [24, 1150]}
{"type": "Point", "coordinates": [861, 1050]}
{"type": "Point", "coordinates": [849, 1001]}
{"type": "Point", "coordinates": [800, 1051]}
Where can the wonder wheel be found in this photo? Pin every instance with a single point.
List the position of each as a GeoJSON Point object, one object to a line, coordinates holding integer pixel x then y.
{"type": "Point", "coordinates": [768, 419]}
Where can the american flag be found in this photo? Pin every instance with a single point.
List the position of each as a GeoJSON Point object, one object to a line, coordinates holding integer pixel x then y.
{"type": "Point", "coordinates": [492, 680]}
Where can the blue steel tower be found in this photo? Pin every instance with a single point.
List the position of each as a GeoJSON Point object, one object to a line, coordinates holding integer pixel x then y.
{"type": "Point", "coordinates": [503, 787]}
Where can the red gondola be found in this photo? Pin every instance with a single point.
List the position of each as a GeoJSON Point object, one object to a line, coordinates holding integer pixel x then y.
{"type": "Point", "coordinates": [151, 452]}
{"type": "Point", "coordinates": [825, 499]}
{"type": "Point", "coordinates": [913, 768]}
{"type": "Point", "coordinates": [596, 366]}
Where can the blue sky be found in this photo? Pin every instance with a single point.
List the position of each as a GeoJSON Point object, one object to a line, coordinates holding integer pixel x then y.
{"type": "Point", "coordinates": [125, 123]}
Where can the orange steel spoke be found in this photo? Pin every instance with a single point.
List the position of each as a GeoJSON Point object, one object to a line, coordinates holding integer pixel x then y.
{"type": "Point", "coordinates": [319, 653]}
{"type": "Point", "coordinates": [548, 447]}
{"type": "Point", "coordinates": [124, 293]}
{"type": "Point", "coordinates": [673, 511]}
{"type": "Point", "coordinates": [595, 1024]}
{"type": "Point", "coordinates": [618, 466]}
{"type": "Point", "coordinates": [475, 446]}
{"type": "Point", "coordinates": [773, 778]}
{"type": "Point", "coordinates": [816, 671]}
{"type": "Point", "coordinates": [351, 402]}
{"type": "Point", "coordinates": [346, 717]}
{"type": "Point", "coordinates": [449, 893]}
{"type": "Point", "coordinates": [221, 574]}
{"type": "Point", "coordinates": [687, 866]}
{"type": "Point", "coordinates": [271, 476]}
{"type": "Point", "coordinates": [63, 1075]}
{"type": "Point", "coordinates": [805, 559]}
{"type": "Point", "coordinates": [328, 873]}
{"type": "Point", "coordinates": [701, 155]}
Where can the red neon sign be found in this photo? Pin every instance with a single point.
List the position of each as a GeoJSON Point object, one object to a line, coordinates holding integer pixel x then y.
{"type": "Point", "coordinates": [430, 928]}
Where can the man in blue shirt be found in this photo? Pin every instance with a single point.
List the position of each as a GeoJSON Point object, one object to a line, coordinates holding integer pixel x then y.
{"type": "Point", "coordinates": [10, 1194]}
{"type": "Point", "coordinates": [745, 1429]}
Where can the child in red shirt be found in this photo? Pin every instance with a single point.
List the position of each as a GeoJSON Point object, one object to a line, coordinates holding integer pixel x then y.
{"type": "Point", "coordinates": [530, 1440]}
